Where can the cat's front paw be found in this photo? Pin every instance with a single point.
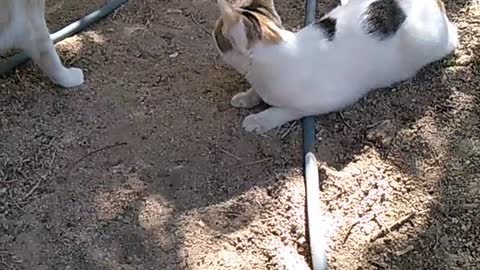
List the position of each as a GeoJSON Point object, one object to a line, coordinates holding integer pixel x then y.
{"type": "Point", "coordinates": [246, 99]}
{"type": "Point", "coordinates": [257, 123]}
{"type": "Point", "coordinates": [71, 77]}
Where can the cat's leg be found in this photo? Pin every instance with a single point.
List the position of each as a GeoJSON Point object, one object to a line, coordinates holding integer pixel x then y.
{"type": "Point", "coordinates": [247, 99]}
{"type": "Point", "coordinates": [37, 44]}
{"type": "Point", "coordinates": [270, 118]}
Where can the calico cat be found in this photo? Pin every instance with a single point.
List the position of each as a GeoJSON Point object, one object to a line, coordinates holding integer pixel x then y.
{"type": "Point", "coordinates": [358, 46]}
{"type": "Point", "coordinates": [23, 26]}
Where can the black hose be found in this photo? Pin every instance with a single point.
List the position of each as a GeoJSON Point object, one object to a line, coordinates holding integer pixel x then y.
{"type": "Point", "coordinates": [309, 122]}
{"type": "Point", "coordinates": [65, 32]}
{"type": "Point", "coordinates": [316, 228]}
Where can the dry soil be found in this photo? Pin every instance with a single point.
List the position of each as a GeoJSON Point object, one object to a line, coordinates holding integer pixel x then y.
{"type": "Point", "coordinates": [146, 166]}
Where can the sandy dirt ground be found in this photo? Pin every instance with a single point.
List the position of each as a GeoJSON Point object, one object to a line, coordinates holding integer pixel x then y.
{"type": "Point", "coordinates": [146, 166]}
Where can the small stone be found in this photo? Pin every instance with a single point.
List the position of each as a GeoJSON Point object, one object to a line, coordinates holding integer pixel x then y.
{"type": "Point", "coordinates": [382, 132]}
{"type": "Point", "coordinates": [103, 223]}
{"type": "Point", "coordinates": [466, 227]}
{"type": "Point", "coordinates": [464, 60]}
{"type": "Point", "coordinates": [128, 260]}
{"type": "Point", "coordinates": [301, 240]}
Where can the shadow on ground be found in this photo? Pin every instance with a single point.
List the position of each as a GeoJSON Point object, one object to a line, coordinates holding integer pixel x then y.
{"type": "Point", "coordinates": [189, 189]}
{"type": "Point", "coordinates": [145, 165]}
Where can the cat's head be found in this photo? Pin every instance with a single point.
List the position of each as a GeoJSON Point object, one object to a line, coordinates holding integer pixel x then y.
{"type": "Point", "coordinates": [242, 26]}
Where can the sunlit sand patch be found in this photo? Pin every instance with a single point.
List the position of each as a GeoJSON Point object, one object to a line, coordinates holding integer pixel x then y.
{"type": "Point", "coordinates": [94, 36]}
{"type": "Point", "coordinates": [155, 212]}
{"type": "Point", "coordinates": [111, 204]}
{"type": "Point", "coordinates": [75, 44]}
{"type": "Point", "coordinates": [367, 196]}
{"type": "Point", "coordinates": [232, 233]}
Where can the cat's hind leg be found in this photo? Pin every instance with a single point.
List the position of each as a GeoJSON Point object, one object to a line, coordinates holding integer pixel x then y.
{"type": "Point", "coordinates": [270, 118]}
{"type": "Point", "coordinates": [247, 99]}
{"type": "Point", "coordinates": [37, 44]}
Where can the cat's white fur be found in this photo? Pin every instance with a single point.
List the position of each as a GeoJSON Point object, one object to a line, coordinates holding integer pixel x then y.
{"type": "Point", "coordinates": [305, 74]}
{"type": "Point", "coordinates": [23, 26]}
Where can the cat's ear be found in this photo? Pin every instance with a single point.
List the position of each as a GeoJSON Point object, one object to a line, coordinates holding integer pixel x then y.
{"type": "Point", "coordinates": [269, 6]}
{"type": "Point", "coordinates": [228, 13]}
{"type": "Point", "coordinates": [233, 27]}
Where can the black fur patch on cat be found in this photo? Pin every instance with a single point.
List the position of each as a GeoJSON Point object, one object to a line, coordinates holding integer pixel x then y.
{"type": "Point", "coordinates": [328, 26]}
{"type": "Point", "coordinates": [383, 18]}
{"type": "Point", "coordinates": [222, 42]}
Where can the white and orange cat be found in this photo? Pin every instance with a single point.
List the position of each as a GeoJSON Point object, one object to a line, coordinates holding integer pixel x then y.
{"type": "Point", "coordinates": [358, 46]}
{"type": "Point", "coordinates": [23, 26]}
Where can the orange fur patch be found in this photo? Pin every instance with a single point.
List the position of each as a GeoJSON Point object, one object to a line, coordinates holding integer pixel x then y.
{"type": "Point", "coordinates": [267, 29]}
{"type": "Point", "coordinates": [258, 27]}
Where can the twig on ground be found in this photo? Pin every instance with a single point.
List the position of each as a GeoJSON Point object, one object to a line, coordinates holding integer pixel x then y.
{"type": "Point", "coordinates": [215, 64]}
{"type": "Point", "coordinates": [174, 11]}
{"type": "Point", "coordinates": [230, 154]}
{"type": "Point", "coordinates": [5, 264]}
{"type": "Point", "coordinates": [393, 227]}
{"type": "Point", "coordinates": [94, 152]}
{"type": "Point", "coordinates": [351, 226]}
{"type": "Point", "coordinates": [374, 124]}
{"type": "Point", "coordinates": [253, 162]}
{"type": "Point", "coordinates": [19, 78]}
{"type": "Point", "coordinates": [349, 231]}
{"type": "Point", "coordinates": [51, 142]}
{"type": "Point", "coordinates": [377, 264]}
{"type": "Point", "coordinates": [8, 182]}
{"type": "Point", "coordinates": [18, 206]}
{"type": "Point", "coordinates": [34, 188]}
{"type": "Point", "coordinates": [195, 21]}
{"type": "Point", "coordinates": [290, 128]}
{"type": "Point", "coordinates": [404, 251]}
{"type": "Point", "coordinates": [53, 159]}
{"type": "Point", "coordinates": [114, 14]}
{"type": "Point", "coordinates": [343, 120]}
